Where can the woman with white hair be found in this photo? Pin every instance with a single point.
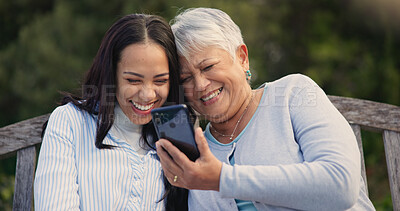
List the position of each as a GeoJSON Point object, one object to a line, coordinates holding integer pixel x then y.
{"type": "Point", "coordinates": [283, 146]}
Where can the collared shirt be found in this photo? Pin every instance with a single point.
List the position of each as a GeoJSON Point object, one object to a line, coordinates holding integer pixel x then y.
{"type": "Point", "coordinates": [72, 174]}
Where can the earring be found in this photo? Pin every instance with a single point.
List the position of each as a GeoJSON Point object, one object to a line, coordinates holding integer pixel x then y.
{"type": "Point", "coordinates": [248, 75]}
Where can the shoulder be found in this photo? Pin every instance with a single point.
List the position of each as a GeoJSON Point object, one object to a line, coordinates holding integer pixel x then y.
{"type": "Point", "coordinates": [68, 108]}
{"type": "Point", "coordinates": [290, 90]}
{"type": "Point", "coordinates": [290, 84]}
{"type": "Point", "coordinates": [294, 80]}
{"type": "Point", "coordinates": [68, 121]}
{"type": "Point", "coordinates": [67, 112]}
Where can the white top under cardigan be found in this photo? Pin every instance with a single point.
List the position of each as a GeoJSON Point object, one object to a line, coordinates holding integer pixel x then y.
{"type": "Point", "coordinates": [72, 174]}
{"type": "Point", "coordinates": [296, 153]}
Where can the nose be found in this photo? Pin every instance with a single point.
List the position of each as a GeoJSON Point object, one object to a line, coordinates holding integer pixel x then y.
{"type": "Point", "coordinates": [201, 82]}
{"type": "Point", "coordinates": [147, 93]}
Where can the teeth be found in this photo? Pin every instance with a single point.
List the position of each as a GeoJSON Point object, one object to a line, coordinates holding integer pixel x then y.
{"type": "Point", "coordinates": [214, 94]}
{"type": "Point", "coordinates": [142, 107]}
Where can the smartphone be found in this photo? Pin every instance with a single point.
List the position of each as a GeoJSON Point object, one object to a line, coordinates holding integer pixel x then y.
{"type": "Point", "coordinates": [174, 124]}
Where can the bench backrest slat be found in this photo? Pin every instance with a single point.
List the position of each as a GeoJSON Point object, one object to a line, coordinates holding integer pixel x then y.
{"type": "Point", "coordinates": [22, 137]}
{"type": "Point", "coordinates": [24, 175]}
{"type": "Point", "coordinates": [391, 141]}
{"type": "Point", "coordinates": [368, 114]}
{"type": "Point", "coordinates": [21, 134]}
{"type": "Point", "coordinates": [357, 133]}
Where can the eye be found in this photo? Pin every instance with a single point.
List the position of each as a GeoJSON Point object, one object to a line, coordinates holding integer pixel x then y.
{"type": "Point", "coordinates": [133, 81]}
{"type": "Point", "coordinates": [186, 79]}
{"type": "Point", "coordinates": [161, 81]}
{"type": "Point", "coordinates": [209, 67]}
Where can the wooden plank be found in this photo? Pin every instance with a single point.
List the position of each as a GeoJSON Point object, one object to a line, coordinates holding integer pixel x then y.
{"type": "Point", "coordinates": [24, 176]}
{"type": "Point", "coordinates": [369, 114]}
{"type": "Point", "coordinates": [22, 134]}
{"type": "Point", "coordinates": [392, 150]}
{"type": "Point", "coordinates": [360, 113]}
{"type": "Point", "coordinates": [357, 133]}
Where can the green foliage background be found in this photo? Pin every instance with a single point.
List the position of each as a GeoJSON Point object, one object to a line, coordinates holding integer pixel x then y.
{"type": "Point", "coordinates": [349, 47]}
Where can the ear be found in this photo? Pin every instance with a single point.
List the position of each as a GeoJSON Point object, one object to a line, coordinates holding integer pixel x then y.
{"type": "Point", "coordinates": [243, 56]}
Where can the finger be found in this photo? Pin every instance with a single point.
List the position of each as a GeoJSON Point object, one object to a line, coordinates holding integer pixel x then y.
{"type": "Point", "coordinates": [167, 165]}
{"type": "Point", "coordinates": [168, 174]}
{"type": "Point", "coordinates": [173, 179]}
{"type": "Point", "coordinates": [201, 142]}
{"type": "Point", "coordinates": [166, 161]}
{"type": "Point", "coordinates": [164, 156]}
{"type": "Point", "coordinates": [172, 176]}
{"type": "Point", "coordinates": [177, 156]}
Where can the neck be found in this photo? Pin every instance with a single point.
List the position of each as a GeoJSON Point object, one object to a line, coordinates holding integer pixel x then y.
{"type": "Point", "coordinates": [123, 122]}
{"type": "Point", "coordinates": [226, 131]}
{"type": "Point", "coordinates": [128, 131]}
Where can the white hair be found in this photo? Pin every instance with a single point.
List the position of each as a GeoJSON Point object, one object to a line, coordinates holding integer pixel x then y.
{"type": "Point", "coordinates": [198, 28]}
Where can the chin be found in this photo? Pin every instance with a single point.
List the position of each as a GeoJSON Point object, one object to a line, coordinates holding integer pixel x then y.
{"type": "Point", "coordinates": [217, 119]}
{"type": "Point", "coordinates": [216, 114]}
{"type": "Point", "coordinates": [141, 120]}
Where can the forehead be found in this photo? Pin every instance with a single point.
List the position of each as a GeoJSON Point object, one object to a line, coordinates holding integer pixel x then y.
{"type": "Point", "coordinates": [141, 50]}
{"type": "Point", "coordinates": [143, 58]}
{"type": "Point", "coordinates": [200, 57]}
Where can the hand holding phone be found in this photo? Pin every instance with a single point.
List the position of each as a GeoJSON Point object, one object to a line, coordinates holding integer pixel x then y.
{"type": "Point", "coordinates": [174, 124]}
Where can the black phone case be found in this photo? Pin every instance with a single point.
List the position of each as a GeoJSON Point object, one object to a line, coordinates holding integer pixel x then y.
{"type": "Point", "coordinates": [173, 123]}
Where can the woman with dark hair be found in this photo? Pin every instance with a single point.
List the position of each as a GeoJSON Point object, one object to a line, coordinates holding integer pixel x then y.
{"type": "Point", "coordinates": [98, 149]}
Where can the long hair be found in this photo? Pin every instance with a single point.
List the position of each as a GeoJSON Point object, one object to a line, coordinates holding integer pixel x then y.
{"type": "Point", "coordinates": [99, 87]}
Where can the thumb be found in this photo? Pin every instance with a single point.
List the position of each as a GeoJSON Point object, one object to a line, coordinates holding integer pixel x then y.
{"type": "Point", "coordinates": [201, 142]}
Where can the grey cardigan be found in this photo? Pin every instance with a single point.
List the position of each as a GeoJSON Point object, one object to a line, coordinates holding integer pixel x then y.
{"type": "Point", "coordinates": [296, 153]}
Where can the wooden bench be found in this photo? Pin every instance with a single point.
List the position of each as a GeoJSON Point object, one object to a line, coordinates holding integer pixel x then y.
{"type": "Point", "coordinates": [23, 137]}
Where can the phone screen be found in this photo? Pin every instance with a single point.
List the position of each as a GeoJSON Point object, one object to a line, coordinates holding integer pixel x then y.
{"type": "Point", "coordinates": [173, 123]}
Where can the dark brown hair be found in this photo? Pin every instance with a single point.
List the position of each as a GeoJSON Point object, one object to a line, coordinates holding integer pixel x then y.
{"type": "Point", "coordinates": [99, 87]}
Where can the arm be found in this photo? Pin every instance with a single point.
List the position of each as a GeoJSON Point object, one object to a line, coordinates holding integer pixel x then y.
{"type": "Point", "coordinates": [327, 179]}
{"type": "Point", "coordinates": [330, 174]}
{"type": "Point", "coordinates": [55, 186]}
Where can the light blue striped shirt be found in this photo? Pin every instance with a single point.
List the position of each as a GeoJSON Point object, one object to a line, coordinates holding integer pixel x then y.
{"type": "Point", "coordinates": [72, 174]}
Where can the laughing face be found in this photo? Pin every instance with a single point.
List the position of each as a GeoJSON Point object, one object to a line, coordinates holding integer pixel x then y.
{"type": "Point", "coordinates": [142, 80]}
{"type": "Point", "coordinates": [214, 83]}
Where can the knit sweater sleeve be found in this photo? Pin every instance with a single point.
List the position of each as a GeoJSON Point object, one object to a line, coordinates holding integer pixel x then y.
{"type": "Point", "coordinates": [329, 177]}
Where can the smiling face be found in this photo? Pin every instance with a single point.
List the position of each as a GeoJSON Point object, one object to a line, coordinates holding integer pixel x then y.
{"type": "Point", "coordinates": [142, 80]}
{"type": "Point", "coordinates": [214, 84]}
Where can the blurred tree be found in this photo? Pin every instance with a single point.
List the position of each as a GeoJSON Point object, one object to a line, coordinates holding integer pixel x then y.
{"type": "Point", "coordinates": [350, 48]}
{"type": "Point", "coordinates": [17, 13]}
